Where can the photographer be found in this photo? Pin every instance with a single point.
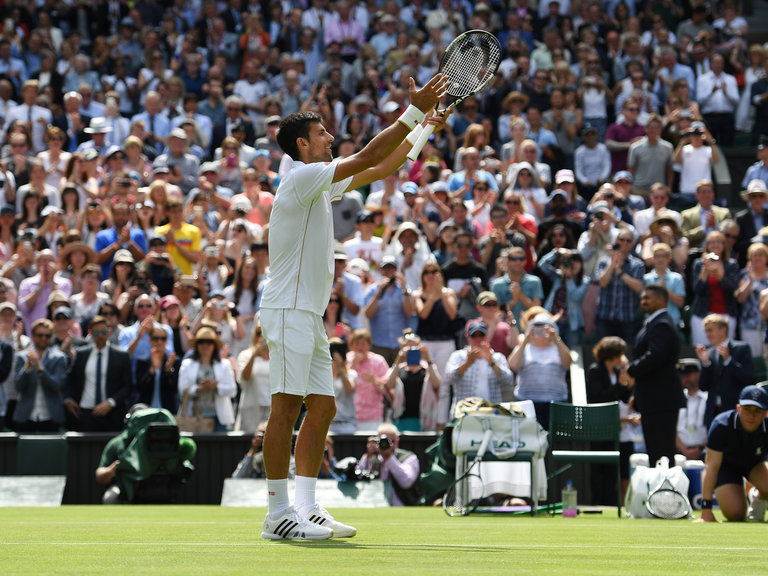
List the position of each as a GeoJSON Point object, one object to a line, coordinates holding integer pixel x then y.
{"type": "Point", "coordinates": [136, 463]}
{"type": "Point", "coordinates": [697, 154]}
{"type": "Point", "coordinates": [416, 382]}
{"type": "Point", "coordinates": [252, 464]}
{"type": "Point", "coordinates": [565, 269]}
{"type": "Point", "coordinates": [398, 466]}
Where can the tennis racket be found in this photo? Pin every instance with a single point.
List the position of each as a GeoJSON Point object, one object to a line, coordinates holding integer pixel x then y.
{"type": "Point", "coordinates": [458, 500]}
{"type": "Point", "coordinates": [667, 503]}
{"type": "Point", "coordinates": [469, 62]}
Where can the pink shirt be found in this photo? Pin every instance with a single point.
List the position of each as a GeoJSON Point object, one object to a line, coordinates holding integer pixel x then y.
{"type": "Point", "coordinates": [369, 402]}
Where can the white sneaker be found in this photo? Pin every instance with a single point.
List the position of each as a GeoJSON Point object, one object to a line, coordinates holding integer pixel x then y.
{"type": "Point", "coordinates": [293, 526]}
{"type": "Point", "coordinates": [756, 510]}
{"type": "Point", "coordinates": [319, 515]}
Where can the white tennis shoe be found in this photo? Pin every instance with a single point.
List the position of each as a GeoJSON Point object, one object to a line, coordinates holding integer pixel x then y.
{"type": "Point", "coordinates": [293, 526]}
{"type": "Point", "coordinates": [320, 516]}
{"type": "Point", "coordinates": [756, 510]}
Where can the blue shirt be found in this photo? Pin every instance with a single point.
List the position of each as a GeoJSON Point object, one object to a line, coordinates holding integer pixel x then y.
{"type": "Point", "coordinates": [108, 237]}
{"type": "Point", "coordinates": [758, 171]}
{"type": "Point", "coordinates": [389, 321]}
{"type": "Point", "coordinates": [142, 350]}
{"type": "Point", "coordinates": [530, 285]}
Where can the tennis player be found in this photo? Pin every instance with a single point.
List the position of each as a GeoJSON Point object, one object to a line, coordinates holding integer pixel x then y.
{"type": "Point", "coordinates": [737, 447]}
{"type": "Point", "coordinates": [296, 293]}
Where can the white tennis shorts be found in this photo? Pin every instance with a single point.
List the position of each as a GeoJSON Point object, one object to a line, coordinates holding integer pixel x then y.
{"type": "Point", "coordinates": [299, 357]}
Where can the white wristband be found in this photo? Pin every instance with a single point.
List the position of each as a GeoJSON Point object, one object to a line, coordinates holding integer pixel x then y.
{"type": "Point", "coordinates": [412, 117]}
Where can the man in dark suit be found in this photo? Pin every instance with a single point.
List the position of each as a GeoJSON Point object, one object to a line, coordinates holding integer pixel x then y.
{"type": "Point", "coordinates": [752, 219]}
{"type": "Point", "coordinates": [726, 367]}
{"type": "Point", "coordinates": [99, 383]}
{"type": "Point", "coordinates": [658, 388]}
{"type": "Point", "coordinates": [157, 378]}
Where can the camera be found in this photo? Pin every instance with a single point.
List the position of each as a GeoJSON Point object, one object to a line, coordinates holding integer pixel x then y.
{"type": "Point", "coordinates": [539, 330]}
{"type": "Point", "coordinates": [616, 246]}
{"type": "Point", "coordinates": [567, 261]}
{"type": "Point", "coordinates": [383, 442]}
{"type": "Point", "coordinates": [599, 215]}
{"type": "Point", "coordinates": [712, 257]}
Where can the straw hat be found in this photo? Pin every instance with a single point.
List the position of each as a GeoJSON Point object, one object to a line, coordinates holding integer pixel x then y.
{"type": "Point", "coordinates": [206, 333]}
{"type": "Point", "coordinates": [664, 217]}
{"type": "Point", "coordinates": [67, 250]}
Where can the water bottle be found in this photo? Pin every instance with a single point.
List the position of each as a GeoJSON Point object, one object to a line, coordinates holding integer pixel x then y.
{"type": "Point", "coordinates": [569, 496]}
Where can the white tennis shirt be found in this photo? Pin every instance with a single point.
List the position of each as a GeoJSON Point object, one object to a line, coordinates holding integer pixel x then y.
{"type": "Point", "coordinates": [301, 238]}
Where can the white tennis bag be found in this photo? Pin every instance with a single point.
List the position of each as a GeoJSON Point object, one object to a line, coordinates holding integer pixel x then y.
{"type": "Point", "coordinates": [511, 433]}
{"type": "Point", "coordinates": [645, 480]}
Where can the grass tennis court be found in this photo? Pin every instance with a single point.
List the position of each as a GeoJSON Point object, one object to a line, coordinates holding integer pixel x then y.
{"type": "Point", "coordinates": [197, 540]}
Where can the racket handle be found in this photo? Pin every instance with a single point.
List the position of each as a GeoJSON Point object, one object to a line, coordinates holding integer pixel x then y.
{"type": "Point", "coordinates": [416, 150]}
{"type": "Point", "coordinates": [484, 444]}
{"type": "Point", "coordinates": [414, 134]}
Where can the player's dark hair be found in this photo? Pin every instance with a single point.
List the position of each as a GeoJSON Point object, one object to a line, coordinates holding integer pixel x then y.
{"type": "Point", "coordinates": [293, 127]}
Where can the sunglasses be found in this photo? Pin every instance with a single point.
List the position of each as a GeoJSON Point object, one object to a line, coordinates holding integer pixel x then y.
{"type": "Point", "coordinates": [143, 305]}
{"type": "Point", "coordinates": [463, 245]}
{"type": "Point", "coordinates": [206, 342]}
{"type": "Point", "coordinates": [431, 271]}
{"type": "Point", "coordinates": [158, 338]}
{"type": "Point", "coordinates": [625, 240]}
{"type": "Point", "coordinates": [489, 304]}
{"type": "Point", "coordinates": [43, 335]}
{"type": "Point", "coordinates": [731, 236]}
{"type": "Point", "coordinates": [633, 109]}
{"type": "Point", "coordinates": [512, 202]}
{"type": "Point", "coordinates": [103, 332]}
{"type": "Point", "coordinates": [516, 259]}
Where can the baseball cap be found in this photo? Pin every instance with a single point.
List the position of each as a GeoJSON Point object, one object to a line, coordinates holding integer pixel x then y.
{"type": "Point", "coordinates": [65, 311]}
{"type": "Point", "coordinates": [754, 396]}
{"type": "Point", "coordinates": [697, 127]}
{"type": "Point", "coordinates": [390, 107]}
{"type": "Point", "coordinates": [409, 188]}
{"type": "Point", "coordinates": [339, 253]}
{"type": "Point", "coordinates": [274, 119]}
{"type": "Point", "coordinates": [123, 255]}
{"type": "Point", "coordinates": [8, 209]}
{"type": "Point", "coordinates": [169, 301]}
{"type": "Point", "coordinates": [160, 169]}
{"type": "Point", "coordinates": [556, 193]}
{"type": "Point", "coordinates": [364, 215]}
{"type": "Point", "coordinates": [623, 175]}
{"type": "Point", "coordinates": [8, 306]}
{"type": "Point", "coordinates": [486, 296]}
{"type": "Point", "coordinates": [587, 128]}
{"type": "Point", "coordinates": [178, 133]}
{"type": "Point", "coordinates": [600, 206]}
{"type": "Point", "coordinates": [51, 210]}
{"type": "Point", "coordinates": [388, 261]}
{"type": "Point", "coordinates": [155, 237]}
{"type": "Point", "coordinates": [475, 327]}
{"type": "Point", "coordinates": [564, 176]}
{"type": "Point", "coordinates": [688, 365]}
{"type": "Point", "coordinates": [543, 318]}
{"type": "Point", "coordinates": [358, 267]}
{"type": "Point", "coordinates": [208, 167]}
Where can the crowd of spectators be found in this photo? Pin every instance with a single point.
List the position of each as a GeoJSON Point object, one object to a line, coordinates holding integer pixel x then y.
{"type": "Point", "coordinates": [139, 163]}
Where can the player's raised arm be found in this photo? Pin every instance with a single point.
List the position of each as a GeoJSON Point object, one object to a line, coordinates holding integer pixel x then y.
{"type": "Point", "coordinates": [386, 141]}
{"type": "Point", "coordinates": [396, 159]}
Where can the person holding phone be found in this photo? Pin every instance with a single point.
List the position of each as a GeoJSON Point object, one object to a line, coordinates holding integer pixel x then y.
{"type": "Point", "coordinates": [416, 382]}
{"type": "Point", "coordinates": [541, 361]}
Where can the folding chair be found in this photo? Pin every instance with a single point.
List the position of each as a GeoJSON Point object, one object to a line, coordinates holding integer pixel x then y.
{"type": "Point", "coordinates": [578, 425]}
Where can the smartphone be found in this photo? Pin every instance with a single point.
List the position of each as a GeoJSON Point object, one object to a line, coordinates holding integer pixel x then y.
{"type": "Point", "coordinates": [339, 329]}
{"type": "Point", "coordinates": [413, 357]}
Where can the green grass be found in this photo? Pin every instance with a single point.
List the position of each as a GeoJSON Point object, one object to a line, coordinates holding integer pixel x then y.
{"type": "Point", "coordinates": [202, 540]}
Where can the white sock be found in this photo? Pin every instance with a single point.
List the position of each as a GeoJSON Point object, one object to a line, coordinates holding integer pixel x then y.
{"type": "Point", "coordinates": [305, 493]}
{"type": "Point", "coordinates": [277, 497]}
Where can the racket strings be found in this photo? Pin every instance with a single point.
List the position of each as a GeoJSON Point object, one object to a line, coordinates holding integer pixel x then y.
{"type": "Point", "coordinates": [470, 64]}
